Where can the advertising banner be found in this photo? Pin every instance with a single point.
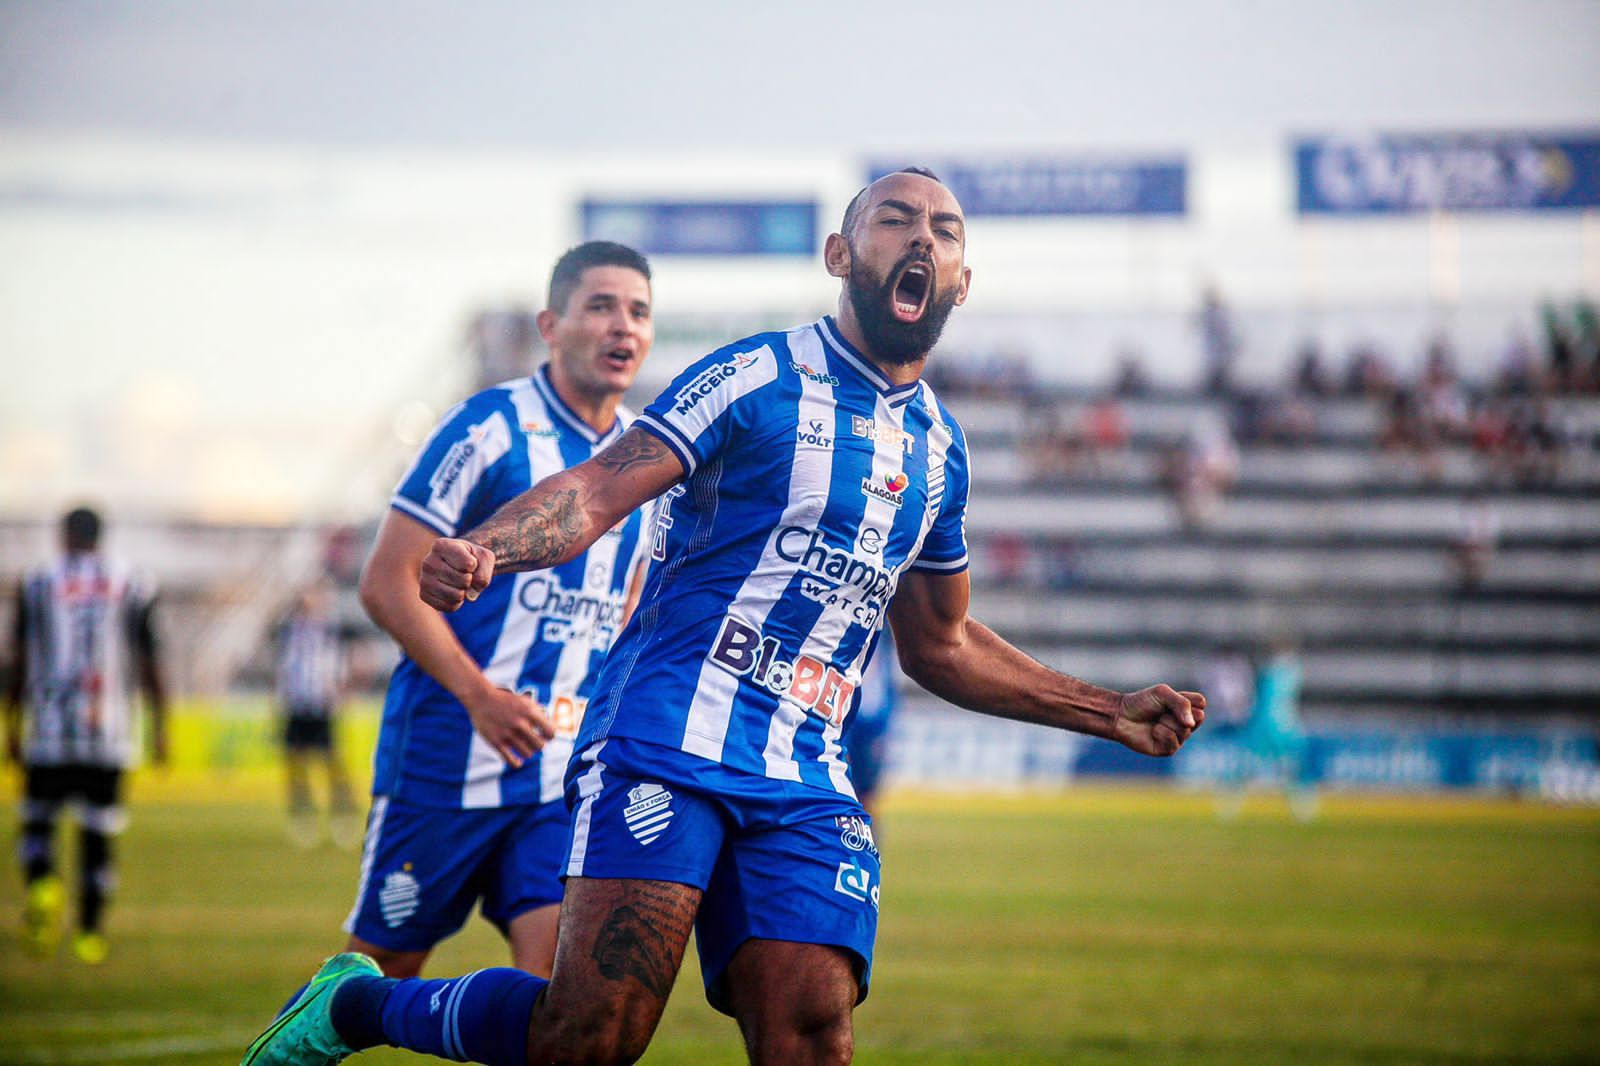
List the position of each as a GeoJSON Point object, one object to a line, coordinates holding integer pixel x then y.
{"type": "Point", "coordinates": [1458, 172]}
{"type": "Point", "coordinates": [746, 227]}
{"type": "Point", "coordinates": [1032, 187]}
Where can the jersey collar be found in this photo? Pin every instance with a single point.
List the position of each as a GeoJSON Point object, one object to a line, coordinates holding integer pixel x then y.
{"type": "Point", "coordinates": [558, 407]}
{"type": "Point", "coordinates": [828, 330]}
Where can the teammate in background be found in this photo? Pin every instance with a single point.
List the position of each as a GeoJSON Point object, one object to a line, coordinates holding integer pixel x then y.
{"type": "Point", "coordinates": [466, 806]}
{"type": "Point", "coordinates": [313, 675]}
{"type": "Point", "coordinates": [85, 645]}
{"type": "Point", "coordinates": [814, 479]}
{"type": "Point", "coordinates": [866, 731]}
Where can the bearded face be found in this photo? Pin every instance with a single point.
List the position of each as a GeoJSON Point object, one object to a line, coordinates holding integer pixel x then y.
{"type": "Point", "coordinates": [903, 313]}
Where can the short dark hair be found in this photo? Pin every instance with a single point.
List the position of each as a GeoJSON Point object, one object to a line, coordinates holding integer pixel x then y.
{"type": "Point", "coordinates": [569, 268]}
{"type": "Point", "coordinates": [854, 207]}
{"type": "Point", "coordinates": [81, 527]}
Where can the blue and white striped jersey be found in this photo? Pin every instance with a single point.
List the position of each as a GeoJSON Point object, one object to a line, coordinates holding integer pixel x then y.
{"type": "Point", "coordinates": [813, 484]}
{"type": "Point", "coordinates": [542, 633]}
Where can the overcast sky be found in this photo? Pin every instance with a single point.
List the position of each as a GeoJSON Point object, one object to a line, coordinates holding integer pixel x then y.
{"type": "Point", "coordinates": [234, 234]}
{"type": "Point", "coordinates": [825, 75]}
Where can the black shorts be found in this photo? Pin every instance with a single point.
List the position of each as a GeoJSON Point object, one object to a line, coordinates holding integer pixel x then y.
{"type": "Point", "coordinates": [98, 789]}
{"type": "Point", "coordinates": [308, 731]}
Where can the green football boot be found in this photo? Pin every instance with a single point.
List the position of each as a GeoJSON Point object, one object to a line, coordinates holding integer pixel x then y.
{"type": "Point", "coordinates": [303, 1035]}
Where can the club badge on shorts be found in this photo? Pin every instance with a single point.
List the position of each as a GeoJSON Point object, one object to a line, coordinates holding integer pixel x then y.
{"type": "Point", "coordinates": [648, 812]}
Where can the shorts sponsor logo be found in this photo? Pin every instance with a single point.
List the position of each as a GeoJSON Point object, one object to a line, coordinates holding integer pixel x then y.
{"type": "Point", "coordinates": [883, 434]}
{"type": "Point", "coordinates": [855, 833]}
{"type": "Point", "coordinates": [807, 681]}
{"type": "Point", "coordinates": [855, 881]}
{"type": "Point", "coordinates": [815, 434]}
{"type": "Point", "coordinates": [814, 375]}
{"type": "Point", "coordinates": [708, 381]}
{"type": "Point", "coordinates": [648, 813]}
{"type": "Point", "coordinates": [399, 897]}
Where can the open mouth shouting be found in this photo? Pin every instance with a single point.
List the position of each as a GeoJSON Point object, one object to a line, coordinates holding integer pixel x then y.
{"type": "Point", "coordinates": [910, 296]}
{"type": "Point", "coordinates": [618, 358]}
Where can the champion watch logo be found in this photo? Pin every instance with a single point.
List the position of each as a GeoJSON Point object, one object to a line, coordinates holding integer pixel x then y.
{"type": "Point", "coordinates": [399, 897]}
{"type": "Point", "coordinates": [648, 813]}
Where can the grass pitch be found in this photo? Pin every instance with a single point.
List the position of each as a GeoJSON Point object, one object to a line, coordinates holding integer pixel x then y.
{"type": "Point", "coordinates": [1095, 925]}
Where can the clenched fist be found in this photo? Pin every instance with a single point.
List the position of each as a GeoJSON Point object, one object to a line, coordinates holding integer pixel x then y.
{"type": "Point", "coordinates": [453, 572]}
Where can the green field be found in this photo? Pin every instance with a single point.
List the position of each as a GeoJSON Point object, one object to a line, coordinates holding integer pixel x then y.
{"type": "Point", "coordinates": [1096, 925]}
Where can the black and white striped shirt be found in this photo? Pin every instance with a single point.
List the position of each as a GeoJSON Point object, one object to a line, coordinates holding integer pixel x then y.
{"type": "Point", "coordinates": [84, 623]}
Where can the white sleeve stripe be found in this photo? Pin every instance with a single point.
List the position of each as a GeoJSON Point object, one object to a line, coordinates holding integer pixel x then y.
{"type": "Point", "coordinates": [674, 440]}
{"type": "Point", "coordinates": [943, 566]}
{"type": "Point", "coordinates": [423, 515]}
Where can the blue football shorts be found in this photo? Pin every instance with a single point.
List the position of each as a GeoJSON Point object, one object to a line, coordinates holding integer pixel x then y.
{"type": "Point", "coordinates": [423, 868]}
{"type": "Point", "coordinates": [777, 860]}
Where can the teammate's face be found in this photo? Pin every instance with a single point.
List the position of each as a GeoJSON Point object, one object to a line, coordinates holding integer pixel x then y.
{"type": "Point", "coordinates": [598, 341]}
{"type": "Point", "coordinates": [904, 265]}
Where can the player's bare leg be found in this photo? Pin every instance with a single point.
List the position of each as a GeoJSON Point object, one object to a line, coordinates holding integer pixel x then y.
{"type": "Point", "coordinates": [793, 1002]}
{"type": "Point", "coordinates": [618, 953]}
{"type": "Point", "coordinates": [393, 963]}
{"type": "Point", "coordinates": [533, 939]}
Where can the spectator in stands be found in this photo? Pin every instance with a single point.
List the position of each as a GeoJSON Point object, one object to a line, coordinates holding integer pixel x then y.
{"type": "Point", "coordinates": [1311, 377]}
{"type": "Point", "coordinates": [1408, 435]}
{"type": "Point", "coordinates": [1219, 341]}
{"type": "Point", "coordinates": [1441, 396]}
{"type": "Point", "coordinates": [313, 676]}
{"type": "Point", "coordinates": [1106, 432]}
{"type": "Point", "coordinates": [1561, 356]}
{"type": "Point", "coordinates": [1132, 378]}
{"type": "Point", "coordinates": [1517, 370]}
{"type": "Point", "coordinates": [1055, 448]}
{"type": "Point", "coordinates": [1586, 346]}
{"type": "Point", "coordinates": [1200, 469]}
{"type": "Point", "coordinates": [1473, 544]}
{"type": "Point", "coordinates": [1369, 372]}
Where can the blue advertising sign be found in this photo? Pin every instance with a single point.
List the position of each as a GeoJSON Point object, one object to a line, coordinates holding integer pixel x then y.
{"type": "Point", "coordinates": [1448, 172]}
{"type": "Point", "coordinates": [697, 227]}
{"type": "Point", "coordinates": [1062, 186]}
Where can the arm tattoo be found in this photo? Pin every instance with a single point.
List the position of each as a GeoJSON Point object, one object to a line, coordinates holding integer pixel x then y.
{"type": "Point", "coordinates": [538, 539]}
{"type": "Point", "coordinates": [644, 939]}
{"type": "Point", "coordinates": [634, 448]}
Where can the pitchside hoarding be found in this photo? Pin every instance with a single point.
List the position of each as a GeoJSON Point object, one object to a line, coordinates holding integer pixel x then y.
{"type": "Point", "coordinates": [696, 227]}
{"type": "Point", "coordinates": [1388, 174]}
{"type": "Point", "coordinates": [1061, 186]}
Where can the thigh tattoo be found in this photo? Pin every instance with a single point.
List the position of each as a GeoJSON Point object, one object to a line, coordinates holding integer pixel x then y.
{"type": "Point", "coordinates": [644, 938]}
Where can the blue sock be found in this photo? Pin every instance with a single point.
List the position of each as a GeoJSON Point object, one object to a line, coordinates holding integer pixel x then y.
{"type": "Point", "coordinates": [480, 1017]}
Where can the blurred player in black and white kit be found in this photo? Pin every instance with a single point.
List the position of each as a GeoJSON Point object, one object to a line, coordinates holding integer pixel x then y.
{"type": "Point", "coordinates": [313, 674]}
{"type": "Point", "coordinates": [85, 646]}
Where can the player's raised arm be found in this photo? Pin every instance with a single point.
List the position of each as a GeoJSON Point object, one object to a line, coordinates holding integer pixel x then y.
{"type": "Point", "coordinates": [553, 521]}
{"type": "Point", "coordinates": [961, 660]}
